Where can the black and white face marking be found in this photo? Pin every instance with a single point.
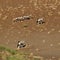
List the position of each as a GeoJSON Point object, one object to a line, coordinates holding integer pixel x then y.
{"type": "Point", "coordinates": [21, 44]}
{"type": "Point", "coordinates": [40, 21]}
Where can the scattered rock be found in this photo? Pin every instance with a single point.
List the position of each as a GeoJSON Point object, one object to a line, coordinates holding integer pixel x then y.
{"type": "Point", "coordinates": [51, 45]}
{"type": "Point", "coordinates": [31, 54]}
{"type": "Point", "coordinates": [5, 17]}
{"type": "Point", "coordinates": [44, 41]}
{"type": "Point", "coordinates": [52, 29]}
{"type": "Point", "coordinates": [59, 31]}
{"type": "Point", "coordinates": [37, 49]}
{"type": "Point", "coordinates": [58, 43]}
{"type": "Point", "coordinates": [38, 57]}
{"type": "Point", "coordinates": [41, 30]}
{"type": "Point", "coordinates": [49, 32]}
{"type": "Point", "coordinates": [50, 59]}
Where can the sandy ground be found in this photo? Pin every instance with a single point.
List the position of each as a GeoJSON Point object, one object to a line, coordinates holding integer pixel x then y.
{"type": "Point", "coordinates": [43, 39]}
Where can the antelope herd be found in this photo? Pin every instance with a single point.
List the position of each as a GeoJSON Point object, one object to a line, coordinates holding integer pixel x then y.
{"type": "Point", "coordinates": [22, 44]}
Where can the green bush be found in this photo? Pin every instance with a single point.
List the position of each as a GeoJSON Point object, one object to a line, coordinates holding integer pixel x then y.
{"type": "Point", "coordinates": [2, 48]}
{"type": "Point", "coordinates": [13, 54]}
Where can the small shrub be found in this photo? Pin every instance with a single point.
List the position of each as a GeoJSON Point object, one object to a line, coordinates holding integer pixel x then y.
{"type": "Point", "coordinates": [13, 54]}
{"type": "Point", "coordinates": [2, 48]}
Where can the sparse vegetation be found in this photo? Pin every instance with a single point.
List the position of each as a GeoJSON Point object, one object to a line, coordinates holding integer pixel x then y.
{"type": "Point", "coordinates": [2, 48]}
{"type": "Point", "coordinates": [15, 57]}
{"type": "Point", "coordinates": [10, 54]}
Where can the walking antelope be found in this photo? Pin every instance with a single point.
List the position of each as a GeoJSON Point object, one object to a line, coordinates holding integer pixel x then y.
{"type": "Point", "coordinates": [22, 18]}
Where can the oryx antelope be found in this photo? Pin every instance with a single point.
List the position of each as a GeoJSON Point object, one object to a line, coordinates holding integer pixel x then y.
{"type": "Point", "coordinates": [40, 21]}
{"type": "Point", "coordinates": [22, 18]}
{"type": "Point", "coordinates": [21, 44]}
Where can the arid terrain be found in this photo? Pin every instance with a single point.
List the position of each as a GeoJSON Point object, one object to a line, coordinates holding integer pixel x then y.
{"type": "Point", "coordinates": [43, 39]}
